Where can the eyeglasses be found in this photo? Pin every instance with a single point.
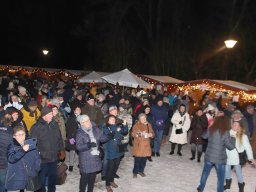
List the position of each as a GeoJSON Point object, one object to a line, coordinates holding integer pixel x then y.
{"type": "Point", "coordinates": [20, 135]}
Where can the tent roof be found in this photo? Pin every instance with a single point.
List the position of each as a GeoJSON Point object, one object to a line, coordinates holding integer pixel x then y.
{"type": "Point", "coordinates": [237, 85]}
{"type": "Point", "coordinates": [91, 77]}
{"type": "Point", "coordinates": [164, 79]}
{"type": "Point", "coordinates": [125, 78]}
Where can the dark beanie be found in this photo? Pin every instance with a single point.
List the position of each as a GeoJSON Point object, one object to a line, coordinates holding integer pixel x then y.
{"type": "Point", "coordinates": [45, 110]}
{"type": "Point", "coordinates": [159, 98]}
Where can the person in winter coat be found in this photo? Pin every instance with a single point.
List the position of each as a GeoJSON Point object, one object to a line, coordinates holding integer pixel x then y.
{"type": "Point", "coordinates": [181, 124]}
{"type": "Point", "coordinates": [23, 161]}
{"type": "Point", "coordinates": [30, 114]}
{"type": "Point", "coordinates": [58, 117]}
{"type": "Point", "coordinates": [50, 145]}
{"type": "Point", "coordinates": [88, 139]}
{"type": "Point", "coordinates": [142, 132]}
{"type": "Point", "coordinates": [71, 128]}
{"type": "Point", "coordinates": [114, 148]}
{"type": "Point", "coordinates": [5, 141]}
{"type": "Point", "coordinates": [242, 144]}
{"type": "Point", "coordinates": [160, 115]}
{"type": "Point", "coordinates": [199, 125]}
{"type": "Point", "coordinates": [219, 139]}
{"type": "Point", "coordinates": [92, 110]}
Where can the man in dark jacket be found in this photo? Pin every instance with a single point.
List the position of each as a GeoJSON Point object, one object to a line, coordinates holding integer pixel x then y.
{"type": "Point", "coordinates": [50, 145]}
{"type": "Point", "coordinates": [5, 141]}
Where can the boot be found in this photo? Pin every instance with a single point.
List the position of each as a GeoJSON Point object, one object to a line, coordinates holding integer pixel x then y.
{"type": "Point", "coordinates": [199, 154]}
{"type": "Point", "coordinates": [193, 155]}
{"type": "Point", "coordinates": [241, 187]}
{"type": "Point", "coordinates": [228, 184]}
{"type": "Point", "coordinates": [179, 150]}
{"type": "Point", "coordinates": [172, 150]}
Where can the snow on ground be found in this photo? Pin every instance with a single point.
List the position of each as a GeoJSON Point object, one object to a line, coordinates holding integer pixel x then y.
{"type": "Point", "coordinates": [166, 174]}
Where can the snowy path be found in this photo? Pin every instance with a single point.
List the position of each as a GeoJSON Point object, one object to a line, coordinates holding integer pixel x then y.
{"type": "Point", "coordinates": [166, 174]}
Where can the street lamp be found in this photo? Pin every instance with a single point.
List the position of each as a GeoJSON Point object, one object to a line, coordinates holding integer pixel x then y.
{"type": "Point", "coordinates": [45, 51]}
{"type": "Point", "coordinates": [230, 43]}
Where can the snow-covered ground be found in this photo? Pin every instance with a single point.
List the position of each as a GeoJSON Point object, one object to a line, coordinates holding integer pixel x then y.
{"type": "Point", "coordinates": [166, 174]}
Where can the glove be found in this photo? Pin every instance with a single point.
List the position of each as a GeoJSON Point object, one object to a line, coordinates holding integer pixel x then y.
{"type": "Point", "coordinates": [180, 122]}
{"type": "Point", "coordinates": [72, 141]}
{"type": "Point", "coordinates": [92, 144]}
{"type": "Point", "coordinates": [62, 155]}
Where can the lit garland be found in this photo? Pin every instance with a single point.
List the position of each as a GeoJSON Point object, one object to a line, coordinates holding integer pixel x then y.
{"type": "Point", "coordinates": [214, 88]}
{"type": "Point", "coordinates": [38, 71]}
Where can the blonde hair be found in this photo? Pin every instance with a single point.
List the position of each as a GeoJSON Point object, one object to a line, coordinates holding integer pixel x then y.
{"type": "Point", "coordinates": [239, 134]}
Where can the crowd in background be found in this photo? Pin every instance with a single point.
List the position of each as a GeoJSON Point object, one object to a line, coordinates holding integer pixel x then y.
{"type": "Point", "coordinates": [100, 123]}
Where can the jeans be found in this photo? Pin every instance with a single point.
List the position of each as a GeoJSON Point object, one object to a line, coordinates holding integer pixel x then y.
{"type": "Point", "coordinates": [198, 147]}
{"type": "Point", "coordinates": [71, 157]}
{"type": "Point", "coordinates": [2, 180]}
{"type": "Point", "coordinates": [104, 163]}
{"type": "Point", "coordinates": [157, 140]}
{"type": "Point", "coordinates": [112, 168]}
{"type": "Point", "coordinates": [220, 169]}
{"type": "Point", "coordinates": [87, 179]}
{"type": "Point", "coordinates": [238, 173]}
{"type": "Point", "coordinates": [48, 173]}
{"type": "Point", "coordinates": [139, 164]}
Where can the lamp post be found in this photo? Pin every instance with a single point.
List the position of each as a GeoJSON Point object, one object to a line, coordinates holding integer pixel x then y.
{"type": "Point", "coordinates": [230, 43]}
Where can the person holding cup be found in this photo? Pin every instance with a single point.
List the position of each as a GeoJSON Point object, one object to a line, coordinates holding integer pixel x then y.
{"type": "Point", "coordinates": [142, 132]}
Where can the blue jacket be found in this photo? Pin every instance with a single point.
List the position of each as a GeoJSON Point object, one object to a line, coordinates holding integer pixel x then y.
{"type": "Point", "coordinates": [89, 163]}
{"type": "Point", "coordinates": [5, 141]}
{"type": "Point", "coordinates": [115, 133]}
{"type": "Point", "coordinates": [21, 164]}
{"type": "Point", "coordinates": [160, 116]}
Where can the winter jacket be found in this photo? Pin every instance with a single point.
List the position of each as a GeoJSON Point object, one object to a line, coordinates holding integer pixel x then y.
{"type": "Point", "coordinates": [141, 145]}
{"type": "Point", "coordinates": [160, 116]}
{"type": "Point", "coordinates": [61, 122]}
{"type": "Point", "coordinates": [94, 113]}
{"type": "Point", "coordinates": [115, 133]}
{"type": "Point", "coordinates": [49, 141]}
{"type": "Point", "coordinates": [21, 165]}
{"type": "Point", "coordinates": [198, 127]}
{"type": "Point", "coordinates": [184, 125]}
{"type": "Point", "coordinates": [232, 155]}
{"type": "Point", "coordinates": [5, 141]}
{"type": "Point", "coordinates": [29, 121]}
{"type": "Point", "coordinates": [217, 144]}
{"type": "Point", "coordinates": [71, 128]}
{"type": "Point", "coordinates": [89, 163]}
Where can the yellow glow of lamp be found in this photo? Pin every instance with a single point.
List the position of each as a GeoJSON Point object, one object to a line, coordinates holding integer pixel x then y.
{"type": "Point", "coordinates": [230, 43]}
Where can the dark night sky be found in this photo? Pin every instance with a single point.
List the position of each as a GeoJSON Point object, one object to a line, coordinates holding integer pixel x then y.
{"type": "Point", "coordinates": [167, 36]}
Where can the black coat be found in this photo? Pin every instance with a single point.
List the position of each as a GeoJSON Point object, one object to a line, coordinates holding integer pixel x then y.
{"type": "Point", "coordinates": [198, 126]}
{"type": "Point", "coordinates": [5, 141]}
{"type": "Point", "coordinates": [71, 128]}
{"type": "Point", "coordinates": [49, 140]}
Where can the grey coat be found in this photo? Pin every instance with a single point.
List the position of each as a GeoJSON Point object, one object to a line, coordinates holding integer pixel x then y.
{"type": "Point", "coordinates": [89, 163]}
{"type": "Point", "coordinates": [217, 144]}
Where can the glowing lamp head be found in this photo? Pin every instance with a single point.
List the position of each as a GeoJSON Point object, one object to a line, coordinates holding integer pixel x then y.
{"type": "Point", "coordinates": [45, 52]}
{"type": "Point", "coordinates": [230, 43]}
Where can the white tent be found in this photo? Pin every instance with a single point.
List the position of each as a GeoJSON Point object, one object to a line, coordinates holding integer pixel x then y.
{"type": "Point", "coordinates": [91, 77]}
{"type": "Point", "coordinates": [126, 78]}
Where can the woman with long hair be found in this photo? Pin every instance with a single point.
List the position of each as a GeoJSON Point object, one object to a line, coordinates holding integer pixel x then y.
{"type": "Point", "coordinates": [242, 144]}
{"type": "Point", "coordinates": [219, 139]}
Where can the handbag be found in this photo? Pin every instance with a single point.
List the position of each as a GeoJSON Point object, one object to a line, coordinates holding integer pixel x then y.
{"type": "Point", "coordinates": [242, 157]}
{"type": "Point", "coordinates": [61, 173]}
{"type": "Point", "coordinates": [33, 183]}
{"type": "Point", "coordinates": [179, 131]}
{"type": "Point", "coordinates": [102, 153]}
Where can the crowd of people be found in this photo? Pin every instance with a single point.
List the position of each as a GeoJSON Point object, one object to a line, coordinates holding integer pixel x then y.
{"type": "Point", "coordinates": [99, 124]}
